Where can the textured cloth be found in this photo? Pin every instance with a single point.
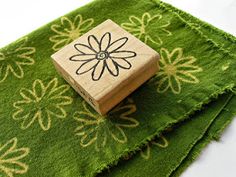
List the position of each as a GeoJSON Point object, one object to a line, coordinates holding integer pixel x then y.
{"type": "Point", "coordinates": [48, 130]}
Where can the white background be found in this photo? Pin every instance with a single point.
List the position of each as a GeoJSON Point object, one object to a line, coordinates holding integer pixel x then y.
{"type": "Point", "coordinates": [21, 17]}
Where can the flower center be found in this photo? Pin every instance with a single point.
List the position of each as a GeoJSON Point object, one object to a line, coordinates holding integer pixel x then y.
{"type": "Point", "coordinates": [101, 119]}
{"type": "Point", "coordinates": [170, 69]}
{"type": "Point", "coordinates": [142, 29]}
{"type": "Point", "coordinates": [102, 55]}
{"type": "Point", "coordinates": [74, 34]}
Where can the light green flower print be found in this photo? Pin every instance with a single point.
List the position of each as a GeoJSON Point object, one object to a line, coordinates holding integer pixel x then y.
{"type": "Point", "coordinates": [174, 69]}
{"type": "Point", "coordinates": [14, 59]}
{"type": "Point", "coordinates": [96, 129]}
{"type": "Point", "coordinates": [11, 157]}
{"type": "Point", "coordinates": [143, 28]}
{"type": "Point", "coordinates": [69, 30]}
{"type": "Point", "coordinates": [161, 142]}
{"type": "Point", "coordinates": [41, 103]}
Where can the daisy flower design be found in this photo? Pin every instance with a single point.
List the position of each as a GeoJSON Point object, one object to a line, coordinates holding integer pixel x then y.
{"type": "Point", "coordinates": [143, 28]}
{"type": "Point", "coordinates": [174, 69]}
{"type": "Point", "coordinates": [41, 103]}
{"type": "Point", "coordinates": [101, 55]}
{"type": "Point", "coordinates": [10, 159]}
{"type": "Point", "coordinates": [96, 129]}
{"type": "Point", "coordinates": [13, 60]}
{"type": "Point", "coordinates": [69, 30]}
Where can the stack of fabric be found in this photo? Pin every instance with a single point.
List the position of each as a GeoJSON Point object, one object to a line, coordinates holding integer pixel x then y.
{"type": "Point", "coordinates": [48, 130]}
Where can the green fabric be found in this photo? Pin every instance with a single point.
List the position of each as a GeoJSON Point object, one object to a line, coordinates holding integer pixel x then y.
{"type": "Point", "coordinates": [214, 132]}
{"type": "Point", "coordinates": [172, 150]}
{"type": "Point", "coordinates": [48, 130]}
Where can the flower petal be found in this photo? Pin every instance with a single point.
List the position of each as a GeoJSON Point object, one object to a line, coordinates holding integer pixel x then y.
{"type": "Point", "coordinates": [123, 63]}
{"type": "Point", "coordinates": [124, 119]}
{"type": "Point", "coordinates": [38, 89]}
{"type": "Point", "coordinates": [130, 27]}
{"type": "Point", "coordinates": [84, 49]}
{"type": "Point", "coordinates": [10, 145]}
{"type": "Point", "coordinates": [56, 111]}
{"type": "Point", "coordinates": [61, 100]}
{"type": "Point", "coordinates": [176, 54]}
{"type": "Point", "coordinates": [89, 138]}
{"type": "Point", "coordinates": [29, 120]}
{"type": "Point", "coordinates": [135, 20]}
{"type": "Point", "coordinates": [2, 56]}
{"type": "Point", "coordinates": [184, 60]}
{"type": "Point", "coordinates": [165, 55]}
{"type": "Point", "coordinates": [163, 85]}
{"type": "Point", "coordinates": [16, 69]}
{"type": "Point", "coordinates": [174, 84]}
{"type": "Point", "coordinates": [20, 114]}
{"type": "Point", "coordinates": [84, 26]}
{"type": "Point", "coordinates": [101, 140]}
{"type": "Point", "coordinates": [60, 44]}
{"type": "Point", "coordinates": [58, 91]}
{"type": "Point", "coordinates": [122, 54]}
{"type": "Point", "coordinates": [44, 119]}
{"type": "Point", "coordinates": [82, 57]}
{"type": "Point", "coordinates": [145, 18]}
{"type": "Point", "coordinates": [154, 39]}
{"type": "Point", "coordinates": [105, 41]}
{"type": "Point", "coordinates": [3, 72]}
{"type": "Point", "coordinates": [15, 167]}
{"type": "Point", "coordinates": [98, 70]}
{"type": "Point", "coordinates": [188, 68]}
{"type": "Point", "coordinates": [59, 29]}
{"type": "Point", "coordinates": [85, 118]}
{"type": "Point", "coordinates": [187, 77]}
{"type": "Point", "coordinates": [112, 67]}
{"type": "Point", "coordinates": [57, 38]}
{"type": "Point", "coordinates": [118, 134]}
{"type": "Point", "coordinates": [67, 24]}
{"type": "Point", "coordinates": [86, 66]}
{"type": "Point", "coordinates": [117, 44]}
{"type": "Point", "coordinates": [77, 21]}
{"type": "Point", "coordinates": [28, 94]}
{"type": "Point", "coordinates": [156, 18]}
{"type": "Point", "coordinates": [94, 43]}
{"type": "Point", "coordinates": [15, 154]}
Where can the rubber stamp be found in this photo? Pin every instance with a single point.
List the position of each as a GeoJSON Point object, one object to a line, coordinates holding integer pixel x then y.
{"type": "Point", "coordinates": [106, 64]}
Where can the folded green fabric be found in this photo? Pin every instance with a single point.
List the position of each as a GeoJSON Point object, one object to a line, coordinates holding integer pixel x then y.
{"type": "Point", "coordinates": [48, 130]}
{"type": "Point", "coordinates": [173, 151]}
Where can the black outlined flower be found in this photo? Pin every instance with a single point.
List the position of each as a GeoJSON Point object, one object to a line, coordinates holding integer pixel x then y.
{"type": "Point", "coordinates": [102, 55]}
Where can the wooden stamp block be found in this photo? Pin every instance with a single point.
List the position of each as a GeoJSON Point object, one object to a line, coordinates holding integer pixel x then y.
{"type": "Point", "coordinates": [106, 64]}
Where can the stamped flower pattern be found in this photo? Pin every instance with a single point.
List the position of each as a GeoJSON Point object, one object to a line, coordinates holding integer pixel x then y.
{"type": "Point", "coordinates": [96, 129]}
{"type": "Point", "coordinates": [69, 30]}
{"type": "Point", "coordinates": [175, 69]}
{"type": "Point", "coordinates": [14, 59]}
{"type": "Point", "coordinates": [161, 142]}
{"type": "Point", "coordinates": [11, 159]}
{"type": "Point", "coordinates": [42, 103]}
{"type": "Point", "coordinates": [101, 55]}
{"type": "Point", "coordinates": [143, 28]}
